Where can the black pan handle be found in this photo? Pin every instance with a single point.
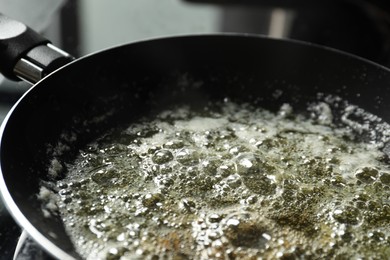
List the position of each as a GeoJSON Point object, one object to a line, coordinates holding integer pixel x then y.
{"type": "Point", "coordinates": [25, 54]}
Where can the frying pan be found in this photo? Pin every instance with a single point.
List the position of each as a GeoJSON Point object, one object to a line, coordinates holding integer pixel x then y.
{"type": "Point", "coordinates": [86, 97]}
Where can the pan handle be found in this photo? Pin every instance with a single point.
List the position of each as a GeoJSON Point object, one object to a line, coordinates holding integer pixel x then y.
{"type": "Point", "coordinates": [26, 55]}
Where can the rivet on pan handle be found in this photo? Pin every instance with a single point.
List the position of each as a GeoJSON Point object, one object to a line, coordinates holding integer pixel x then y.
{"type": "Point", "coordinates": [24, 54]}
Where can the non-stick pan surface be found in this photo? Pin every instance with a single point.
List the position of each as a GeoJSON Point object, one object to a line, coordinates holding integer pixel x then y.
{"type": "Point", "coordinates": [75, 104]}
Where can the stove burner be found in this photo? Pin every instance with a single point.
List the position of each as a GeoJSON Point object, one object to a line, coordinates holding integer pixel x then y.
{"type": "Point", "coordinates": [28, 249]}
{"type": "Point", "coordinates": [9, 234]}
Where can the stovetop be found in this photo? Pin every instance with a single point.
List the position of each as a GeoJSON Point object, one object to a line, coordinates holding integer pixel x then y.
{"type": "Point", "coordinates": [81, 27]}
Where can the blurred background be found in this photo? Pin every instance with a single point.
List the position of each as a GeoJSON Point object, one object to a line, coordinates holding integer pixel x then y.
{"type": "Point", "coordinates": [81, 27]}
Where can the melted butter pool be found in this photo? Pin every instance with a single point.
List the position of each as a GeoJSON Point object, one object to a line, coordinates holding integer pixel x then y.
{"type": "Point", "coordinates": [232, 182]}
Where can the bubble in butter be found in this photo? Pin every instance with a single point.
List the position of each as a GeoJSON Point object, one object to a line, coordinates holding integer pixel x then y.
{"type": "Point", "coordinates": [229, 182]}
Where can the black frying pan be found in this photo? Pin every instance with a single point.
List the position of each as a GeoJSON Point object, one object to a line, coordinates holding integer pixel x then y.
{"type": "Point", "coordinates": [132, 80]}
